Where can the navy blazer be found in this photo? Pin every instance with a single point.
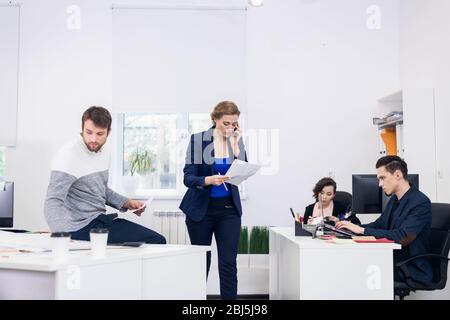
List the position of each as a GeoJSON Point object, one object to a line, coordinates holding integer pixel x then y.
{"type": "Point", "coordinates": [411, 224]}
{"type": "Point", "coordinates": [199, 164]}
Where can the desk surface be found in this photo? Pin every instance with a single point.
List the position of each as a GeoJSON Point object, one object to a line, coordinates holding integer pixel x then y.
{"type": "Point", "coordinates": [309, 243]}
{"type": "Point", "coordinates": [44, 261]}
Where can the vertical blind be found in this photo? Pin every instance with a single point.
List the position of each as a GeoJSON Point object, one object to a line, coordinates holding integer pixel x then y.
{"type": "Point", "coordinates": [178, 59]}
{"type": "Point", "coordinates": [9, 64]}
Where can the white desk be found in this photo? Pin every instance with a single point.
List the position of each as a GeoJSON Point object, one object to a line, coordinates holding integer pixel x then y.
{"type": "Point", "coordinates": [310, 269]}
{"type": "Point", "coordinates": [150, 272]}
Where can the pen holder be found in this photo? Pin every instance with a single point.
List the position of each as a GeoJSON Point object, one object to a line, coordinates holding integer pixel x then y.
{"type": "Point", "coordinates": [300, 232]}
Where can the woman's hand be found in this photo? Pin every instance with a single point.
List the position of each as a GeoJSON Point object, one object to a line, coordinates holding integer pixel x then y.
{"type": "Point", "coordinates": [215, 180]}
{"type": "Point", "coordinates": [237, 134]}
{"type": "Point", "coordinates": [332, 218]}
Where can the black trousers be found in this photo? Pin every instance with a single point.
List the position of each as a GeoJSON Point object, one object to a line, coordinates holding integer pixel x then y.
{"type": "Point", "coordinates": [120, 230]}
{"type": "Point", "coordinates": [222, 221]}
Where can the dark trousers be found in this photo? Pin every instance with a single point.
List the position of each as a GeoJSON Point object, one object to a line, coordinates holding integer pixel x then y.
{"type": "Point", "coordinates": [223, 221]}
{"type": "Point", "coordinates": [120, 230]}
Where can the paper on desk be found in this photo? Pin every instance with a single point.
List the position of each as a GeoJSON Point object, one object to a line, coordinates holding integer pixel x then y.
{"type": "Point", "coordinates": [316, 220]}
{"type": "Point", "coordinates": [240, 171]}
{"type": "Point", "coordinates": [343, 241]}
{"type": "Point", "coordinates": [33, 242]}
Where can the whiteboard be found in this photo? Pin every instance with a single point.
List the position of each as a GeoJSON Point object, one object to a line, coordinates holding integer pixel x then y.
{"type": "Point", "coordinates": [9, 66]}
{"type": "Point", "coordinates": [178, 60]}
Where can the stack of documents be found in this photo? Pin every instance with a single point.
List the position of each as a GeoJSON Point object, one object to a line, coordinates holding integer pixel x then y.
{"type": "Point", "coordinates": [33, 242]}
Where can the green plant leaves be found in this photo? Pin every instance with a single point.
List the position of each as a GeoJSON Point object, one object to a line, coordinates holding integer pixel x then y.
{"type": "Point", "coordinates": [141, 162]}
{"type": "Point", "coordinates": [259, 240]}
{"type": "Point", "coordinates": [243, 241]}
{"type": "Point", "coordinates": [257, 243]}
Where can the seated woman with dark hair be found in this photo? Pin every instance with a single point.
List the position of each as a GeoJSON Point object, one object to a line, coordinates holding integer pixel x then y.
{"type": "Point", "coordinates": [333, 211]}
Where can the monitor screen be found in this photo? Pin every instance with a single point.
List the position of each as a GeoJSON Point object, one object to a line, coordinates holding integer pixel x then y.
{"type": "Point", "coordinates": [368, 197]}
{"type": "Point", "coordinates": [366, 194]}
{"type": "Point", "coordinates": [7, 205]}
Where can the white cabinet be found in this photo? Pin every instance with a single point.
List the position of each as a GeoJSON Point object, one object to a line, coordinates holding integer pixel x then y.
{"type": "Point", "coordinates": [442, 112]}
{"type": "Point", "coordinates": [422, 137]}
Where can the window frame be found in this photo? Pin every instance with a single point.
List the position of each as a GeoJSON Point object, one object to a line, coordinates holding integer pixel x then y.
{"type": "Point", "coordinates": [182, 128]}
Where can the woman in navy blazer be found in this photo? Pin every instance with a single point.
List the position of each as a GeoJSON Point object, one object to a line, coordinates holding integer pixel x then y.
{"type": "Point", "coordinates": [212, 206]}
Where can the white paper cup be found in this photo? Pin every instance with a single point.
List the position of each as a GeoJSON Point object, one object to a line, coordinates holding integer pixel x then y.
{"type": "Point", "coordinates": [60, 246]}
{"type": "Point", "coordinates": [99, 240]}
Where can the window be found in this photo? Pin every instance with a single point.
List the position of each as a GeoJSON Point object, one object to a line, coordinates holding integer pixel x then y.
{"type": "Point", "coordinates": [2, 162]}
{"type": "Point", "coordinates": [152, 150]}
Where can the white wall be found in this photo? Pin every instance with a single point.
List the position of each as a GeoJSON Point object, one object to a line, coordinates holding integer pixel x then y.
{"type": "Point", "coordinates": [314, 69]}
{"type": "Point", "coordinates": [424, 52]}
{"type": "Point", "coordinates": [61, 73]}
{"type": "Point", "coordinates": [424, 63]}
{"type": "Point", "coordinates": [315, 73]}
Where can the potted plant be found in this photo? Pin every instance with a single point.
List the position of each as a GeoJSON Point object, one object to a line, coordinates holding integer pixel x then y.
{"type": "Point", "coordinates": [259, 246]}
{"type": "Point", "coordinates": [140, 163]}
{"type": "Point", "coordinates": [242, 258]}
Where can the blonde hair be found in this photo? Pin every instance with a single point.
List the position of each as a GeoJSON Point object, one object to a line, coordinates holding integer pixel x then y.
{"type": "Point", "coordinates": [224, 108]}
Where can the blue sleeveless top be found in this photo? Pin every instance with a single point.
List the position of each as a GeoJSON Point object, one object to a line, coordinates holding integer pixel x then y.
{"type": "Point", "coordinates": [220, 166]}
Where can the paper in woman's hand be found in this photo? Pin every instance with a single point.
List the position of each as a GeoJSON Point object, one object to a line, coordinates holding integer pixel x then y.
{"type": "Point", "coordinates": [241, 171]}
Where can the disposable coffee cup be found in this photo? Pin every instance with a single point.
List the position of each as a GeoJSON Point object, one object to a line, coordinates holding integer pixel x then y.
{"type": "Point", "coordinates": [60, 246]}
{"type": "Point", "coordinates": [99, 239]}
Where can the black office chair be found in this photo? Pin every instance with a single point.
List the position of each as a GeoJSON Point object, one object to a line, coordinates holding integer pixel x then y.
{"type": "Point", "coordinates": [438, 255]}
{"type": "Point", "coordinates": [344, 198]}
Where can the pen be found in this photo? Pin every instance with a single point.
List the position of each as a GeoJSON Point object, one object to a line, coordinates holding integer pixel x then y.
{"type": "Point", "coordinates": [292, 212]}
{"type": "Point", "coordinates": [224, 183]}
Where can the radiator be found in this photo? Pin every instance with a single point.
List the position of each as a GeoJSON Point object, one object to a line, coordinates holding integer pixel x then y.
{"type": "Point", "coordinates": [171, 224]}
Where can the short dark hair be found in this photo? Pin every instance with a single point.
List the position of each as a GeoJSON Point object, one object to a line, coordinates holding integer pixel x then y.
{"type": "Point", "coordinates": [393, 163]}
{"type": "Point", "coordinates": [99, 115]}
{"type": "Point", "coordinates": [322, 183]}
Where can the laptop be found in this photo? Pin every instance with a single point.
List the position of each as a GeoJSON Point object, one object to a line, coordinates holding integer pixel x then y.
{"type": "Point", "coordinates": [340, 233]}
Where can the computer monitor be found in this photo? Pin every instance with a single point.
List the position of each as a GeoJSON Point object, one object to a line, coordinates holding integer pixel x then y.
{"type": "Point", "coordinates": [368, 197]}
{"type": "Point", "coordinates": [7, 205]}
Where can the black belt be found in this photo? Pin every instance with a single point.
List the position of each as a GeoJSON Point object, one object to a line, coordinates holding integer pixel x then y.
{"type": "Point", "coordinates": [225, 202]}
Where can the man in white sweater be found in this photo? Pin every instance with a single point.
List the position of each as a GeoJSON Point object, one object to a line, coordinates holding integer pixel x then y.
{"type": "Point", "coordinates": [78, 191]}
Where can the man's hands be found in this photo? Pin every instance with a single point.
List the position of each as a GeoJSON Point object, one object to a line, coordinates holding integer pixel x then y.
{"type": "Point", "coordinates": [215, 180]}
{"type": "Point", "coordinates": [350, 226]}
{"type": "Point", "coordinates": [136, 205]}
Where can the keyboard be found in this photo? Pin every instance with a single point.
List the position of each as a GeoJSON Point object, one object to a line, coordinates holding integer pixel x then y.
{"type": "Point", "coordinates": [14, 230]}
{"type": "Point", "coordinates": [342, 232]}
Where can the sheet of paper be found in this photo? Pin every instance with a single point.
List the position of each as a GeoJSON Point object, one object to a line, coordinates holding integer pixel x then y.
{"type": "Point", "coordinates": [316, 220]}
{"type": "Point", "coordinates": [146, 204]}
{"type": "Point", "coordinates": [33, 242]}
{"type": "Point", "coordinates": [343, 241]}
{"type": "Point", "coordinates": [364, 238]}
{"type": "Point", "coordinates": [241, 171]}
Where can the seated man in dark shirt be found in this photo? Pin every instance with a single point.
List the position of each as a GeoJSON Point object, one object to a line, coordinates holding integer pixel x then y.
{"type": "Point", "coordinates": [405, 220]}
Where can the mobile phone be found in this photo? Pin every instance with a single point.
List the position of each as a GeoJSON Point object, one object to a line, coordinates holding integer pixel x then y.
{"type": "Point", "coordinates": [235, 129]}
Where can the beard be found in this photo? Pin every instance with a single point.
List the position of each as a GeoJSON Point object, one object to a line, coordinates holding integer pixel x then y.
{"type": "Point", "coordinates": [94, 147]}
